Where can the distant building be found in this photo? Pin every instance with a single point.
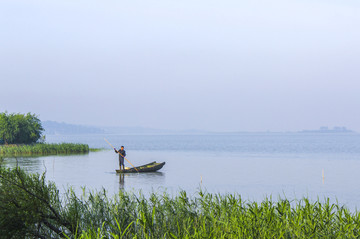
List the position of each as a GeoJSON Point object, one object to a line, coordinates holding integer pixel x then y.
{"type": "Point", "coordinates": [340, 129]}
{"type": "Point", "coordinates": [325, 129]}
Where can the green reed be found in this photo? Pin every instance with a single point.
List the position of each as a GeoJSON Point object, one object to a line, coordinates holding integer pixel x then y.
{"type": "Point", "coordinates": [214, 216]}
{"type": "Point", "coordinates": [37, 209]}
{"type": "Point", "coordinates": [43, 149]}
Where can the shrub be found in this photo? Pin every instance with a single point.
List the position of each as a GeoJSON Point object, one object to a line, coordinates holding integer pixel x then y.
{"type": "Point", "coordinates": [20, 128]}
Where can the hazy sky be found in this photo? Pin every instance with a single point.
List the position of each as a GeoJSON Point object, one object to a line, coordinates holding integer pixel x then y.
{"type": "Point", "coordinates": [225, 65]}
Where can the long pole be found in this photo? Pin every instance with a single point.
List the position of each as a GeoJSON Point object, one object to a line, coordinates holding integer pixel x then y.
{"type": "Point", "coordinates": [121, 155]}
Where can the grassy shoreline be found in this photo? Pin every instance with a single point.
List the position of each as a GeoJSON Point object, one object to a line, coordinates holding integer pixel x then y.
{"type": "Point", "coordinates": [33, 207]}
{"type": "Point", "coordinates": [43, 149]}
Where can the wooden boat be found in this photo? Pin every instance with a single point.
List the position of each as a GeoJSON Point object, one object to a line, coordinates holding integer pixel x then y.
{"type": "Point", "coordinates": [150, 167]}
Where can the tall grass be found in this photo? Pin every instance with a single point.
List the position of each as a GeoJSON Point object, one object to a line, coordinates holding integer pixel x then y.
{"type": "Point", "coordinates": [30, 207]}
{"type": "Point", "coordinates": [213, 216]}
{"type": "Point", "coordinates": [43, 149]}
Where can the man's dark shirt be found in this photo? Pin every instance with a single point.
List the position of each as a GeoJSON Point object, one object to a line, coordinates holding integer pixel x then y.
{"type": "Point", "coordinates": [122, 153]}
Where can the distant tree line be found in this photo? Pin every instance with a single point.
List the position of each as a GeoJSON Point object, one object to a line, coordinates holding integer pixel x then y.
{"type": "Point", "coordinates": [20, 128]}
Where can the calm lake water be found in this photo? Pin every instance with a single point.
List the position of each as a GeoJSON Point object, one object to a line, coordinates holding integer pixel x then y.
{"type": "Point", "coordinates": [252, 165]}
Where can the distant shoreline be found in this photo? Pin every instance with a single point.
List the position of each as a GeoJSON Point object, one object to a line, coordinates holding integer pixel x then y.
{"type": "Point", "coordinates": [56, 128]}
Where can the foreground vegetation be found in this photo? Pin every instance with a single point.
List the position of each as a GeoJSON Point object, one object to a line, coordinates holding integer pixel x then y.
{"type": "Point", "coordinates": [42, 149]}
{"type": "Point", "coordinates": [32, 207]}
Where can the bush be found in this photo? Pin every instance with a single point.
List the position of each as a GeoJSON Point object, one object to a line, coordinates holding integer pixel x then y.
{"type": "Point", "coordinates": [30, 207]}
{"type": "Point", "coordinates": [20, 128]}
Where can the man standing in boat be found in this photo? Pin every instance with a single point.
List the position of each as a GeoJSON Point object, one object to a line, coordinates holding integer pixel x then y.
{"type": "Point", "coordinates": [122, 154]}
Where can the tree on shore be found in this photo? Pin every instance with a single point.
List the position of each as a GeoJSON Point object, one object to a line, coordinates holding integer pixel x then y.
{"type": "Point", "coordinates": [20, 128]}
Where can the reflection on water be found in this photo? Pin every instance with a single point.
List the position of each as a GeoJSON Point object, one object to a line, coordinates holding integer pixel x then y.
{"type": "Point", "coordinates": [154, 178]}
{"type": "Point", "coordinates": [121, 181]}
{"type": "Point", "coordinates": [30, 164]}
